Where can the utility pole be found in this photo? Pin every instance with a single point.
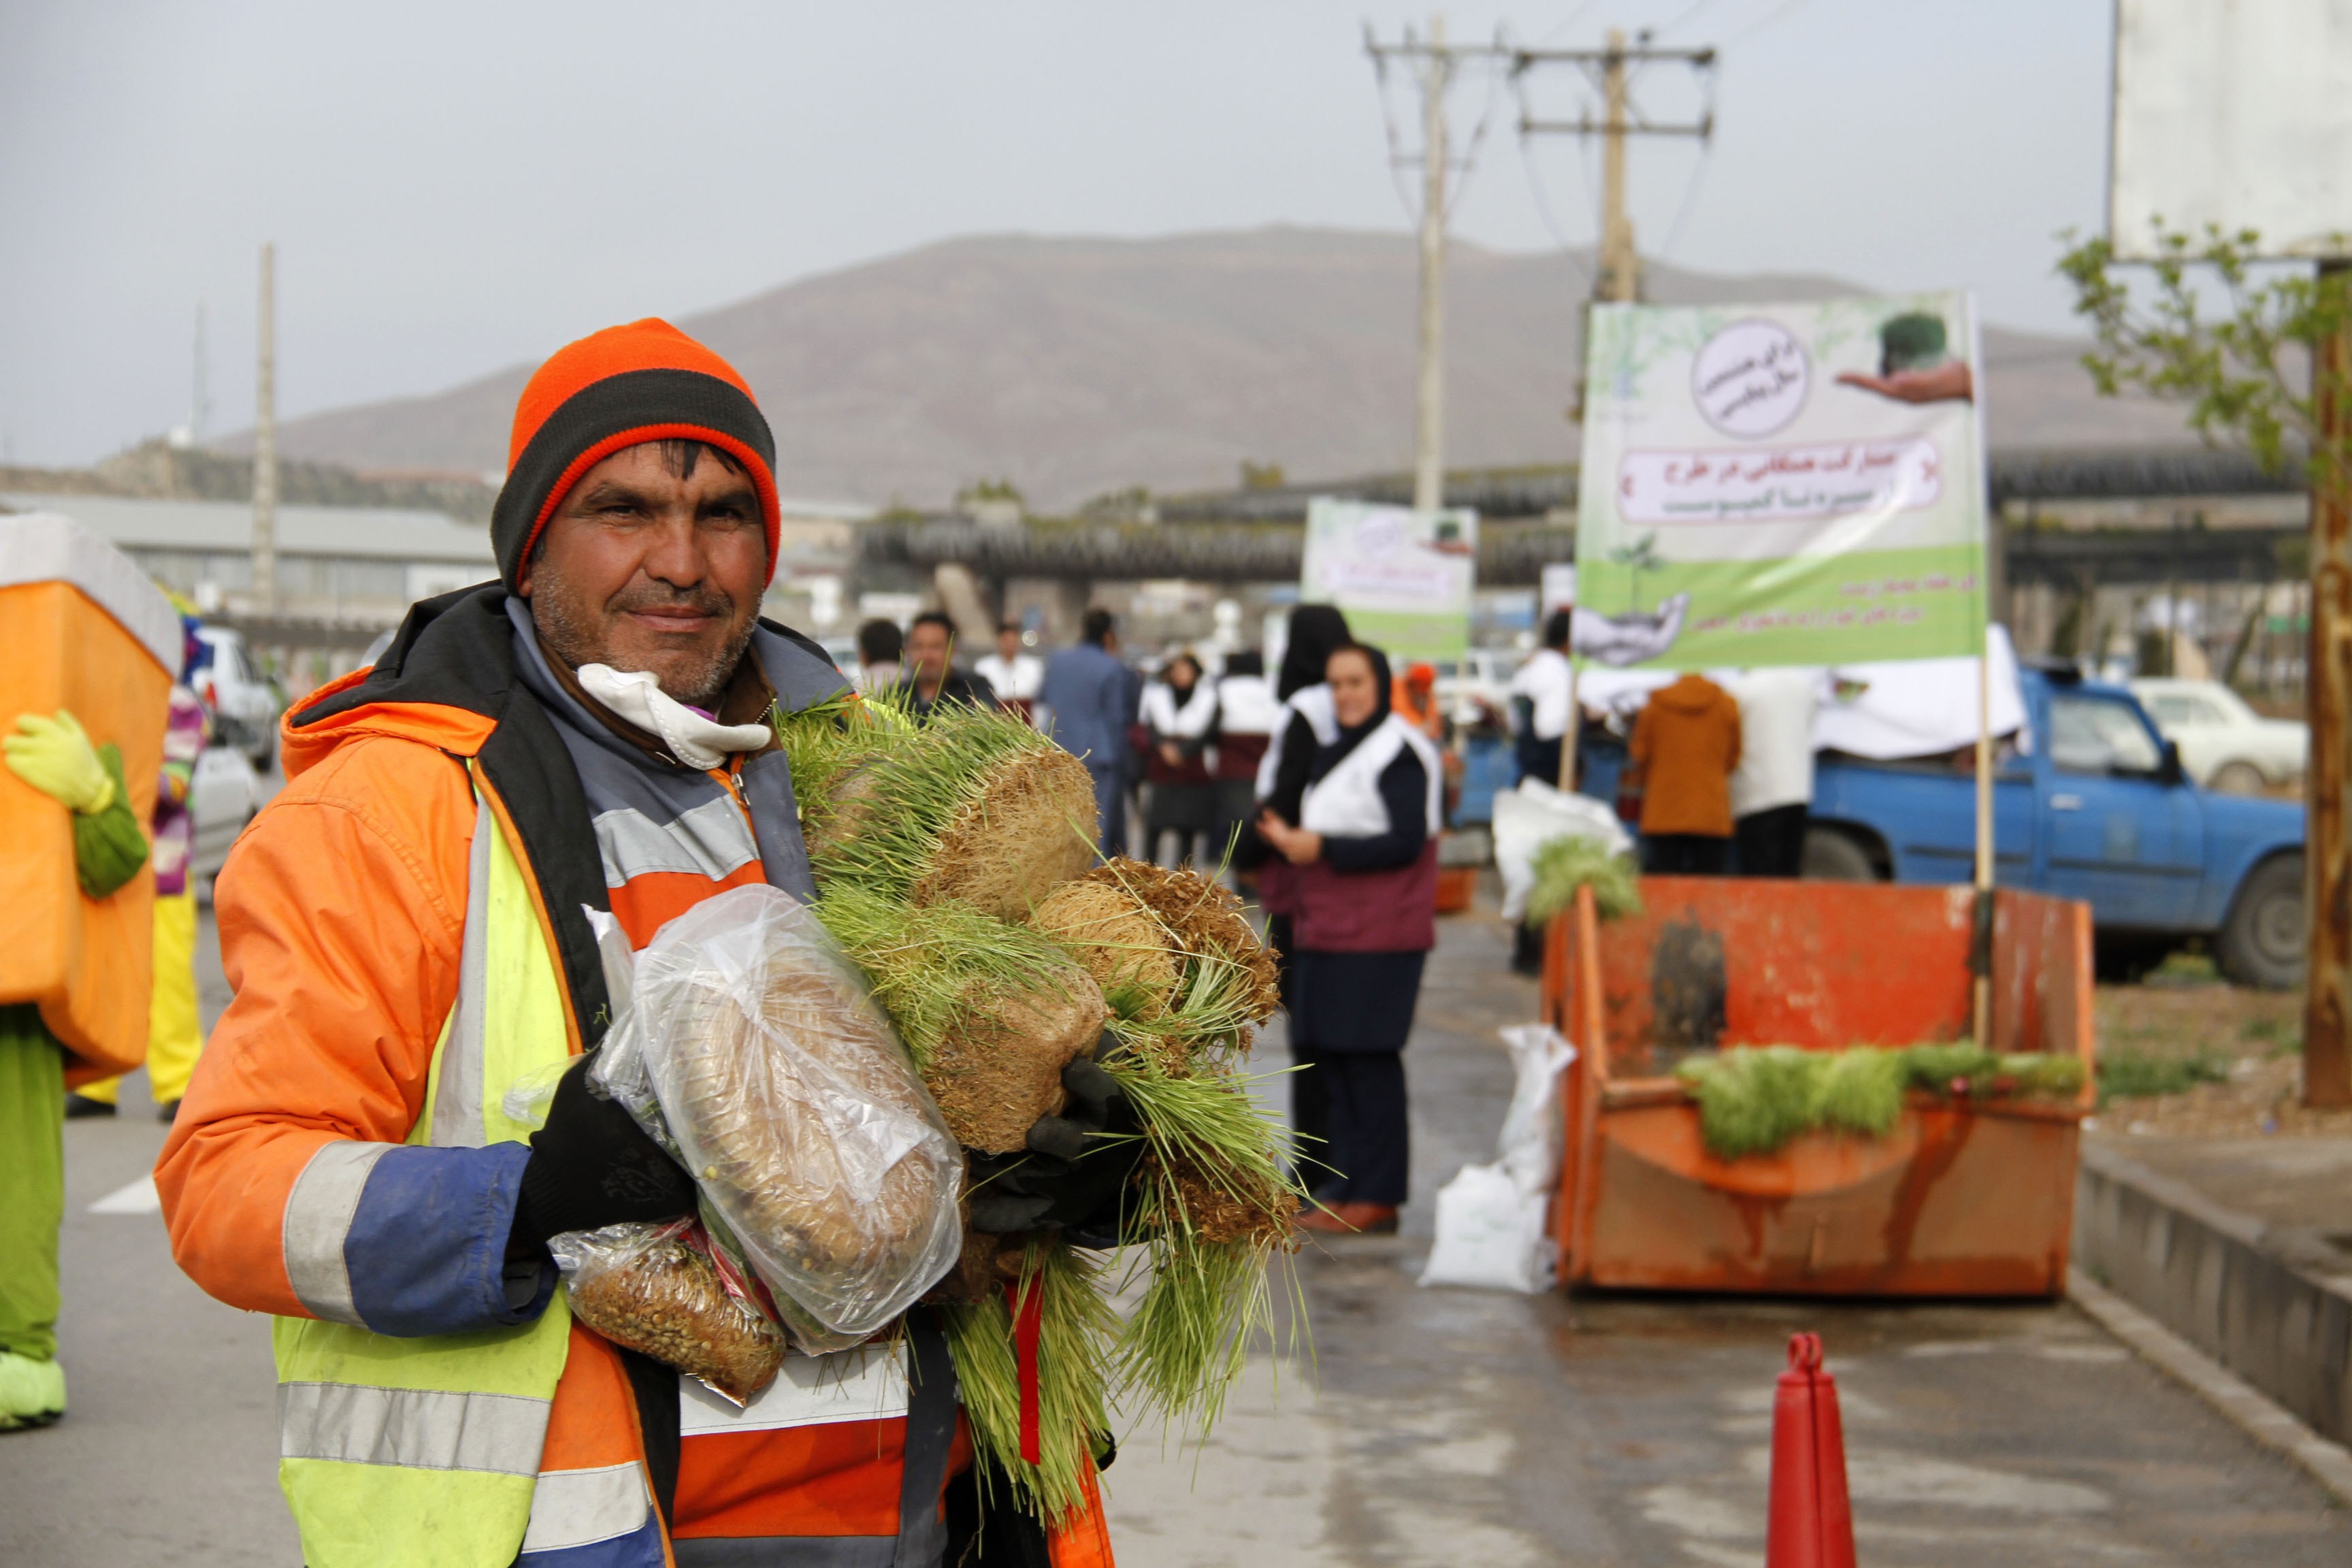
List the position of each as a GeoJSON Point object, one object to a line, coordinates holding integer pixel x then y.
{"type": "Point", "coordinates": [2328, 866]}
{"type": "Point", "coordinates": [200, 400]}
{"type": "Point", "coordinates": [1429, 388]}
{"type": "Point", "coordinates": [265, 442]}
{"type": "Point", "coordinates": [1434, 61]}
{"type": "Point", "coordinates": [1618, 277]}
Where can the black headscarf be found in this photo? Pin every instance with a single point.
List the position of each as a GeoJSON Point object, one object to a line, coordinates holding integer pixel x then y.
{"type": "Point", "coordinates": [1351, 736]}
{"type": "Point", "coordinates": [1314, 631]}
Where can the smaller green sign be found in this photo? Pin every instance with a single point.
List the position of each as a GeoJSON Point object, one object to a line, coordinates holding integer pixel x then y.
{"type": "Point", "coordinates": [1404, 578]}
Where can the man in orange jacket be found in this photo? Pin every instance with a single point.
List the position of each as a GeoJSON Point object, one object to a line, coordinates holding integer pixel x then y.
{"type": "Point", "coordinates": [585, 737]}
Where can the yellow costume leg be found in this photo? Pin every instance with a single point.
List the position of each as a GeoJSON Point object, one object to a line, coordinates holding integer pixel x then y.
{"type": "Point", "coordinates": [174, 1031]}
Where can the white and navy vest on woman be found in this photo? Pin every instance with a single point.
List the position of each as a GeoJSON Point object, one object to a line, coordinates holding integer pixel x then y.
{"type": "Point", "coordinates": [1346, 802]}
{"type": "Point", "coordinates": [1312, 703]}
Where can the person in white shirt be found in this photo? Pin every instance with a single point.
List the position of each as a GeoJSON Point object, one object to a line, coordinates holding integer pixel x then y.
{"type": "Point", "coordinates": [1016, 675]}
{"type": "Point", "coordinates": [1180, 711]}
{"type": "Point", "coordinates": [1541, 696]}
{"type": "Point", "coordinates": [1773, 788]}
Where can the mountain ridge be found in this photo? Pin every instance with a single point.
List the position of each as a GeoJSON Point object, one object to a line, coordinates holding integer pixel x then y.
{"type": "Point", "coordinates": [1075, 366]}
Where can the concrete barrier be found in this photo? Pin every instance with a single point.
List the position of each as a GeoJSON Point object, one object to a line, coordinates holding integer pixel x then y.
{"type": "Point", "coordinates": [2207, 1274]}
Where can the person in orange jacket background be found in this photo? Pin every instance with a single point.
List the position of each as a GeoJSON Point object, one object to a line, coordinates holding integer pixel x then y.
{"type": "Point", "coordinates": [410, 929]}
{"type": "Point", "coordinates": [1413, 698]}
{"type": "Point", "coordinates": [1685, 745]}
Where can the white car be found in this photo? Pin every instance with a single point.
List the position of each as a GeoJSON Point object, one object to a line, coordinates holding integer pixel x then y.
{"type": "Point", "coordinates": [224, 792]}
{"type": "Point", "coordinates": [2224, 744]}
{"type": "Point", "coordinates": [245, 702]}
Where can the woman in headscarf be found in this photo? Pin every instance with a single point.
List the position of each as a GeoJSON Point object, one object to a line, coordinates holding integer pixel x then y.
{"type": "Point", "coordinates": [1180, 711]}
{"type": "Point", "coordinates": [1316, 631]}
{"type": "Point", "coordinates": [1363, 857]}
{"type": "Point", "coordinates": [1303, 724]}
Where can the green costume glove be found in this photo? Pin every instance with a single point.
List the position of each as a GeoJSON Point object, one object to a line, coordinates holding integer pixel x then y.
{"type": "Point", "coordinates": [108, 849]}
{"type": "Point", "coordinates": [55, 757]}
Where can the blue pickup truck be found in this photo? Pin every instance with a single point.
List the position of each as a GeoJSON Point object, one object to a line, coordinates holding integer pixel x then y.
{"type": "Point", "coordinates": [2097, 809]}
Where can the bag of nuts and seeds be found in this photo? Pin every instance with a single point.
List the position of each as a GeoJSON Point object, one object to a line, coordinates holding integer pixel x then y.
{"type": "Point", "coordinates": [665, 1290]}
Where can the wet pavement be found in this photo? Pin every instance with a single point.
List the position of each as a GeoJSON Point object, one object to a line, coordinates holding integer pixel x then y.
{"type": "Point", "coordinates": [1460, 1426]}
{"type": "Point", "coordinates": [1432, 1427]}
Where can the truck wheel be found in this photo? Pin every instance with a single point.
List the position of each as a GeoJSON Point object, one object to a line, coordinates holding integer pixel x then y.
{"type": "Point", "coordinates": [1833, 856]}
{"type": "Point", "coordinates": [2237, 778]}
{"type": "Point", "coordinates": [2261, 941]}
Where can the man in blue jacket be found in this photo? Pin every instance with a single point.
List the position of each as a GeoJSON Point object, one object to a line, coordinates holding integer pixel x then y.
{"type": "Point", "coordinates": [1085, 706]}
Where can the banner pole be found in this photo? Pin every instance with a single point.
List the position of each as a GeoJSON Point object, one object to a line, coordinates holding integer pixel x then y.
{"type": "Point", "coordinates": [1575, 731]}
{"type": "Point", "coordinates": [1989, 537]}
{"type": "Point", "coordinates": [1981, 944]}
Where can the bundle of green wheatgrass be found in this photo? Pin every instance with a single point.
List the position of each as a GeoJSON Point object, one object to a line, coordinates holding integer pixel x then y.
{"type": "Point", "coordinates": [1752, 1099]}
{"type": "Point", "coordinates": [955, 864]}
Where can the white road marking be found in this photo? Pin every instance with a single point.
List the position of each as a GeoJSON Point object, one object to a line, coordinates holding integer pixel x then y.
{"type": "Point", "coordinates": [139, 1197]}
{"type": "Point", "coordinates": [1911, 1479]}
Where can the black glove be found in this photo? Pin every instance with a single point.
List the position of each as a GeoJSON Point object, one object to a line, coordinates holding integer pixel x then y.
{"type": "Point", "coordinates": [1095, 1097]}
{"type": "Point", "coordinates": [593, 1166]}
{"type": "Point", "coordinates": [1076, 1174]}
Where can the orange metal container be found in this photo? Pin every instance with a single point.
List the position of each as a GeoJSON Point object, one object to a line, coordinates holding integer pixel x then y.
{"type": "Point", "coordinates": [1457, 889]}
{"type": "Point", "coordinates": [1961, 1199]}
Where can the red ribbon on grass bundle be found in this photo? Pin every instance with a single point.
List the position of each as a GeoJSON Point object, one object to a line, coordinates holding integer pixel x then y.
{"type": "Point", "coordinates": [1027, 1300]}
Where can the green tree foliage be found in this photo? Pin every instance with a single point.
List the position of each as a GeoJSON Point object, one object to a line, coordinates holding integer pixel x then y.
{"type": "Point", "coordinates": [2216, 328]}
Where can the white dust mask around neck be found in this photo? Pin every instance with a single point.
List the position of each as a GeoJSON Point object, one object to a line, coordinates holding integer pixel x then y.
{"type": "Point", "coordinates": [692, 737]}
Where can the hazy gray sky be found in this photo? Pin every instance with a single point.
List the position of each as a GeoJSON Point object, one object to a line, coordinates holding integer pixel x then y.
{"type": "Point", "coordinates": [455, 187]}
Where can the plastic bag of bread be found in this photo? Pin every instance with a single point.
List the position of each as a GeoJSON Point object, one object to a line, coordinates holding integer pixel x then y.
{"type": "Point", "coordinates": [752, 1049]}
{"type": "Point", "coordinates": [664, 1291]}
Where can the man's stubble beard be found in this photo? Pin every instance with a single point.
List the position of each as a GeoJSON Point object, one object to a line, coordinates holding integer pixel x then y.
{"type": "Point", "coordinates": [575, 632]}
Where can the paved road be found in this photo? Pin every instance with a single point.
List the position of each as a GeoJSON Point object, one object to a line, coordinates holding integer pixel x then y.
{"type": "Point", "coordinates": [1435, 1426]}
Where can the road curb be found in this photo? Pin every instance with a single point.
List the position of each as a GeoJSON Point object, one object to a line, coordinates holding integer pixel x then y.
{"type": "Point", "coordinates": [2329, 1464]}
{"type": "Point", "coordinates": [2223, 1281]}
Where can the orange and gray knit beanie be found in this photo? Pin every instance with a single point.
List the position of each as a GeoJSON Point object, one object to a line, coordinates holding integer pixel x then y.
{"type": "Point", "coordinates": [614, 389]}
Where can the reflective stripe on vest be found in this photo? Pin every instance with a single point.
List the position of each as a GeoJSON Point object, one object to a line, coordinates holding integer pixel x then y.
{"type": "Point", "coordinates": [424, 1452]}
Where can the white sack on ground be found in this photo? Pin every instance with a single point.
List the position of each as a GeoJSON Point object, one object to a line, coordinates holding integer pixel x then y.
{"type": "Point", "coordinates": [1531, 815]}
{"type": "Point", "coordinates": [1493, 1229]}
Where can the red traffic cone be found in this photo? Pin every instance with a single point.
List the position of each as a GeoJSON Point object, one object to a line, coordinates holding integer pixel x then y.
{"type": "Point", "coordinates": [1811, 1525]}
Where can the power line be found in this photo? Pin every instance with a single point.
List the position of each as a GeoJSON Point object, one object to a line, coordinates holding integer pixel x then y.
{"type": "Point", "coordinates": [1611, 69]}
{"type": "Point", "coordinates": [1690, 199]}
{"type": "Point", "coordinates": [1747, 33]}
{"type": "Point", "coordinates": [1686, 16]}
{"type": "Point", "coordinates": [1543, 210]}
{"type": "Point", "coordinates": [1569, 22]}
{"type": "Point", "coordinates": [1435, 62]}
{"type": "Point", "coordinates": [1469, 158]}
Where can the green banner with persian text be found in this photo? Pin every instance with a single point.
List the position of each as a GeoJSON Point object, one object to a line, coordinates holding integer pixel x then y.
{"type": "Point", "coordinates": [1404, 578]}
{"type": "Point", "coordinates": [1781, 484]}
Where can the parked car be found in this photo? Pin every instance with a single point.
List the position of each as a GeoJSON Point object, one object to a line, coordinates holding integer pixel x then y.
{"type": "Point", "coordinates": [245, 703]}
{"type": "Point", "coordinates": [2100, 809]}
{"type": "Point", "coordinates": [2224, 744]}
{"type": "Point", "coordinates": [1482, 675]}
{"type": "Point", "coordinates": [223, 792]}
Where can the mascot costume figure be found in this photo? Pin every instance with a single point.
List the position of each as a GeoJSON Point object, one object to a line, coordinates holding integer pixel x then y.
{"type": "Point", "coordinates": [89, 650]}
